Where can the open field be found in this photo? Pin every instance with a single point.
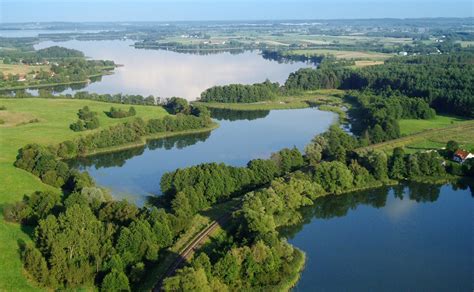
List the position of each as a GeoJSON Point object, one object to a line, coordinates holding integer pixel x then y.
{"type": "Point", "coordinates": [54, 117]}
{"type": "Point", "coordinates": [466, 44]}
{"type": "Point", "coordinates": [333, 40]}
{"type": "Point", "coordinates": [410, 126]}
{"type": "Point", "coordinates": [432, 138]}
{"type": "Point", "coordinates": [21, 69]}
{"type": "Point", "coordinates": [366, 63]}
{"type": "Point", "coordinates": [330, 96]}
{"type": "Point", "coordinates": [356, 55]}
{"type": "Point", "coordinates": [286, 39]}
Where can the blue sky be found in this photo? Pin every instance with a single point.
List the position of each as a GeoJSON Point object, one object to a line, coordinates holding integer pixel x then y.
{"type": "Point", "coordinates": [168, 10]}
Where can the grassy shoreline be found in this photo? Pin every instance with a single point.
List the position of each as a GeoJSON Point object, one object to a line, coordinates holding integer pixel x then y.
{"type": "Point", "coordinates": [332, 97]}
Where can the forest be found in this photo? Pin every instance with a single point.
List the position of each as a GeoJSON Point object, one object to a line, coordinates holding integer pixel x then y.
{"type": "Point", "coordinates": [241, 93]}
{"type": "Point", "coordinates": [39, 56]}
{"type": "Point", "coordinates": [423, 77]}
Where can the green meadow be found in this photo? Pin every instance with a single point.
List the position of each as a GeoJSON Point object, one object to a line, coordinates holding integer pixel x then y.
{"type": "Point", "coordinates": [43, 121]}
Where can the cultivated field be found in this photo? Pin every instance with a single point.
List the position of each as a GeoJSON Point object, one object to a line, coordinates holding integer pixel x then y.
{"type": "Point", "coordinates": [348, 55]}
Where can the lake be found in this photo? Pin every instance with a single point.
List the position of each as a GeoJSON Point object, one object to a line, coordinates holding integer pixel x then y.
{"type": "Point", "coordinates": [414, 237]}
{"type": "Point", "coordinates": [166, 73]}
{"type": "Point", "coordinates": [135, 174]}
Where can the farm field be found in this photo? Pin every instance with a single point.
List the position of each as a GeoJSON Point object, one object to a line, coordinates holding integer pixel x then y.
{"type": "Point", "coordinates": [21, 69]}
{"type": "Point", "coordinates": [365, 63]}
{"type": "Point", "coordinates": [339, 54]}
{"type": "Point", "coordinates": [431, 135]}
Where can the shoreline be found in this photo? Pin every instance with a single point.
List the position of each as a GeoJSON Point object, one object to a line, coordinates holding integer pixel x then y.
{"type": "Point", "coordinates": [39, 86]}
{"type": "Point", "coordinates": [144, 140]}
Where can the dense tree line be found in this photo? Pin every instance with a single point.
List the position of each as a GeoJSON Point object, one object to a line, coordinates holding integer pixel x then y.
{"type": "Point", "coordinates": [39, 56]}
{"type": "Point", "coordinates": [192, 189]}
{"type": "Point", "coordinates": [134, 99]}
{"type": "Point", "coordinates": [88, 120]}
{"type": "Point", "coordinates": [285, 57]}
{"type": "Point", "coordinates": [443, 81]}
{"type": "Point", "coordinates": [377, 117]}
{"type": "Point", "coordinates": [117, 98]}
{"type": "Point", "coordinates": [117, 113]}
{"type": "Point", "coordinates": [241, 93]}
{"type": "Point", "coordinates": [83, 238]}
{"type": "Point", "coordinates": [321, 78]}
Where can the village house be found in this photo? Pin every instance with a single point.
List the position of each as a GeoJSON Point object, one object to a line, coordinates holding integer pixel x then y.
{"type": "Point", "coordinates": [462, 155]}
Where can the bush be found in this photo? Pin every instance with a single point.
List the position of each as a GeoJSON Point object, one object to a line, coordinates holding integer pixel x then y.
{"type": "Point", "coordinates": [87, 120]}
{"type": "Point", "coordinates": [35, 264]}
{"type": "Point", "coordinates": [117, 113]}
{"type": "Point", "coordinates": [16, 212]}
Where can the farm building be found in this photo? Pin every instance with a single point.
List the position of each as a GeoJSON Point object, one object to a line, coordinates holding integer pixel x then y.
{"type": "Point", "coordinates": [461, 156]}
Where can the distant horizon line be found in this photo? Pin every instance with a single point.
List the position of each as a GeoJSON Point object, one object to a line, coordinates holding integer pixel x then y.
{"type": "Point", "coordinates": [242, 20]}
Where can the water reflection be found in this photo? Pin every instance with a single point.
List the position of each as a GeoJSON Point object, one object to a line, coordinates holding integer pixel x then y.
{"type": "Point", "coordinates": [407, 237]}
{"type": "Point", "coordinates": [334, 206]}
{"type": "Point", "coordinates": [289, 59]}
{"type": "Point", "coordinates": [166, 73]}
{"type": "Point", "coordinates": [235, 142]}
{"type": "Point", "coordinates": [236, 115]}
{"type": "Point", "coordinates": [202, 52]}
{"type": "Point", "coordinates": [118, 159]}
{"type": "Point", "coordinates": [178, 142]}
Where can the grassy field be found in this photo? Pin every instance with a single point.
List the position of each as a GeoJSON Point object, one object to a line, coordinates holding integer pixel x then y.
{"type": "Point", "coordinates": [409, 126]}
{"type": "Point", "coordinates": [330, 96]}
{"type": "Point", "coordinates": [431, 134]}
{"type": "Point", "coordinates": [366, 63]}
{"type": "Point", "coordinates": [466, 44]}
{"type": "Point", "coordinates": [21, 69]}
{"type": "Point", "coordinates": [54, 117]}
{"type": "Point", "coordinates": [356, 55]}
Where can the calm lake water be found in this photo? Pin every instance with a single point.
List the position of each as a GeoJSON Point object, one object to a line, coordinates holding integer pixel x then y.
{"type": "Point", "coordinates": [135, 174]}
{"type": "Point", "coordinates": [165, 73]}
{"type": "Point", "coordinates": [408, 238]}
